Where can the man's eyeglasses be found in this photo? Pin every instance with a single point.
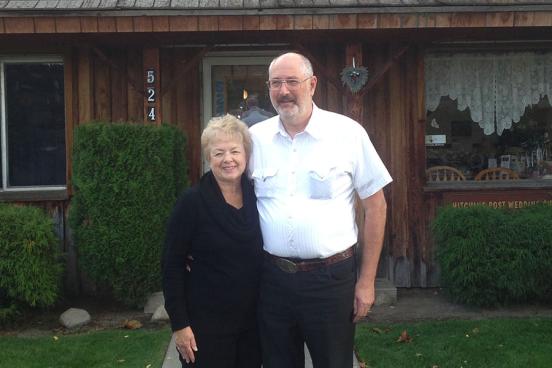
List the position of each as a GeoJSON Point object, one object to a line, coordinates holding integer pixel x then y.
{"type": "Point", "coordinates": [275, 84]}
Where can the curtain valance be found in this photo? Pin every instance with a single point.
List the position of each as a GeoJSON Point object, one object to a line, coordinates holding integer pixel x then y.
{"type": "Point", "coordinates": [495, 87]}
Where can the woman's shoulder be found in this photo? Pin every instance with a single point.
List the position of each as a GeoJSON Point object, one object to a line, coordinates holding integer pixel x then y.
{"type": "Point", "coordinates": [187, 198]}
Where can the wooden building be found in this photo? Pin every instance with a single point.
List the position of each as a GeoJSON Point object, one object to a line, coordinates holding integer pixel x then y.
{"type": "Point", "coordinates": [458, 84]}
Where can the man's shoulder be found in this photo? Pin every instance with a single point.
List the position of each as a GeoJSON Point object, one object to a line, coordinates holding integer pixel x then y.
{"type": "Point", "coordinates": [339, 123]}
{"type": "Point", "coordinates": [265, 128]}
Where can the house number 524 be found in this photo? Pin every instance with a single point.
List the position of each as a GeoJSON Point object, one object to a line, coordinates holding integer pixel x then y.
{"type": "Point", "coordinates": [150, 94]}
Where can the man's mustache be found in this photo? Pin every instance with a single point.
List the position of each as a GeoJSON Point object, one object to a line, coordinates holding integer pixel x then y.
{"type": "Point", "coordinates": [286, 99]}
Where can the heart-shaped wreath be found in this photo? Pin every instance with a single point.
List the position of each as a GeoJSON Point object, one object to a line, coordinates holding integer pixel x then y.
{"type": "Point", "coordinates": [354, 77]}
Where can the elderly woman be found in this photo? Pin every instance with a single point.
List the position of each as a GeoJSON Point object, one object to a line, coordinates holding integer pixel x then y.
{"type": "Point", "coordinates": [212, 306]}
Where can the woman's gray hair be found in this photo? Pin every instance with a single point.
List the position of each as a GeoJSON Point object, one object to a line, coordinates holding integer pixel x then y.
{"type": "Point", "coordinates": [227, 125]}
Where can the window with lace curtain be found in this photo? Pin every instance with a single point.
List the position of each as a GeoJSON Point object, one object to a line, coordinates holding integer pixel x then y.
{"type": "Point", "coordinates": [487, 110]}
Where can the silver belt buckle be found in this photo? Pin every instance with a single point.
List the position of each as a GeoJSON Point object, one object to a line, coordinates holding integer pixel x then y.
{"type": "Point", "coordinates": [286, 265]}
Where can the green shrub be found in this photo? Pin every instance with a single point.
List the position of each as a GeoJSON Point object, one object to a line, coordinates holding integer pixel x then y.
{"type": "Point", "coordinates": [126, 180]}
{"type": "Point", "coordinates": [494, 256]}
{"type": "Point", "coordinates": [30, 263]}
{"type": "Point", "coordinates": [533, 231]}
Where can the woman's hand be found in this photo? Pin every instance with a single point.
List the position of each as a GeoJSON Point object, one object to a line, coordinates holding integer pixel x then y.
{"type": "Point", "coordinates": [186, 344]}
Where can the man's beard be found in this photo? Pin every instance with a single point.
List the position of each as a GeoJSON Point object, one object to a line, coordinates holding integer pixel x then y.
{"type": "Point", "coordinates": [287, 113]}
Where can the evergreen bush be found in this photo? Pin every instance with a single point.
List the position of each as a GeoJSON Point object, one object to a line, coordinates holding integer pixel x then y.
{"type": "Point", "coordinates": [30, 260]}
{"type": "Point", "coordinates": [493, 256]}
{"type": "Point", "coordinates": [126, 180]}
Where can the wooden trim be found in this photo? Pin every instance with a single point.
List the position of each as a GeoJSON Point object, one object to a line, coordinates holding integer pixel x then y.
{"type": "Point", "coordinates": [19, 25]}
{"type": "Point", "coordinates": [68, 25]}
{"type": "Point", "coordinates": [89, 25]}
{"type": "Point", "coordinates": [230, 23]}
{"type": "Point", "coordinates": [301, 20]}
{"type": "Point", "coordinates": [45, 25]}
{"type": "Point", "coordinates": [71, 113]}
{"type": "Point", "coordinates": [124, 24]}
{"type": "Point", "coordinates": [85, 86]}
{"type": "Point", "coordinates": [161, 24]}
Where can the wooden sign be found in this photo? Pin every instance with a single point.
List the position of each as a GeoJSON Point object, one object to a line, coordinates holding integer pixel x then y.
{"type": "Point", "coordinates": [499, 199]}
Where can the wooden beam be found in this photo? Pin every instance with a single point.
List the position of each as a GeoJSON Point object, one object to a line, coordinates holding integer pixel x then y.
{"type": "Point", "coordinates": [184, 71]}
{"type": "Point", "coordinates": [321, 69]}
{"type": "Point", "coordinates": [85, 86]}
{"type": "Point", "coordinates": [379, 75]}
{"type": "Point", "coordinates": [353, 56]}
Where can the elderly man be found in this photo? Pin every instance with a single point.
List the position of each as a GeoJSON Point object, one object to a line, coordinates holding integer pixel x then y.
{"type": "Point", "coordinates": [306, 165]}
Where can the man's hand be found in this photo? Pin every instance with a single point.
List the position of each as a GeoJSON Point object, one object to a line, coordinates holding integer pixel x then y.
{"type": "Point", "coordinates": [186, 344]}
{"type": "Point", "coordinates": [364, 299]}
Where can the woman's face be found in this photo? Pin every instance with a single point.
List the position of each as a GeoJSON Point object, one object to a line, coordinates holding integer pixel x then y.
{"type": "Point", "coordinates": [227, 158]}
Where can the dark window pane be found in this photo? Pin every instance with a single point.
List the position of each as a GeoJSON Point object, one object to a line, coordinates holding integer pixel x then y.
{"type": "Point", "coordinates": [35, 120]}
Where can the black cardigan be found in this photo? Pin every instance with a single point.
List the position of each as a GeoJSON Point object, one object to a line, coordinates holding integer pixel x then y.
{"type": "Point", "coordinates": [220, 293]}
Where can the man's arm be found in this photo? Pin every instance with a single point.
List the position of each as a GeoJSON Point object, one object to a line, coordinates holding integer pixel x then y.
{"type": "Point", "coordinates": [375, 209]}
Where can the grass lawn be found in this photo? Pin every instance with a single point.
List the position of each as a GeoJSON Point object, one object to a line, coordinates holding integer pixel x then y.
{"type": "Point", "coordinates": [495, 343]}
{"type": "Point", "coordinates": [97, 349]}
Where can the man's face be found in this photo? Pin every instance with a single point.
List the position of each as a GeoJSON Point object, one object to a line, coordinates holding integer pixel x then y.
{"type": "Point", "coordinates": [293, 103]}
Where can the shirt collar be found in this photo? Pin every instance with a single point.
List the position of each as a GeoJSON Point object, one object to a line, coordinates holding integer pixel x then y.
{"type": "Point", "coordinates": [315, 126]}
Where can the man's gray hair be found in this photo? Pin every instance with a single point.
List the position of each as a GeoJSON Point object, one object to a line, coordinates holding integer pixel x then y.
{"type": "Point", "coordinates": [307, 66]}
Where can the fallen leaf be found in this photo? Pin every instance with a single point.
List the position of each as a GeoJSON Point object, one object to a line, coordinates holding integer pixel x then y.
{"type": "Point", "coordinates": [120, 361]}
{"type": "Point", "coordinates": [435, 366]}
{"type": "Point", "coordinates": [419, 355]}
{"type": "Point", "coordinates": [377, 330]}
{"type": "Point", "coordinates": [132, 324]}
{"type": "Point", "coordinates": [148, 366]}
{"type": "Point", "coordinates": [404, 337]}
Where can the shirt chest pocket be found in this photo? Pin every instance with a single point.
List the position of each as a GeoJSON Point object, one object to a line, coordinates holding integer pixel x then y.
{"type": "Point", "coordinates": [323, 182]}
{"type": "Point", "coordinates": [266, 181]}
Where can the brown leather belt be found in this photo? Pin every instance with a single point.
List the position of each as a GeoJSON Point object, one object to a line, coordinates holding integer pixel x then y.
{"type": "Point", "coordinates": [293, 265]}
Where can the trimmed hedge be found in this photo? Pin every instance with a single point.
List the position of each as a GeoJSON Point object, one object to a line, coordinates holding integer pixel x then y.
{"type": "Point", "coordinates": [30, 260]}
{"type": "Point", "coordinates": [490, 256]}
{"type": "Point", "coordinates": [126, 180]}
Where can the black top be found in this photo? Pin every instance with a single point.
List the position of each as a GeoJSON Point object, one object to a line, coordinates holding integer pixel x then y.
{"type": "Point", "coordinates": [220, 292]}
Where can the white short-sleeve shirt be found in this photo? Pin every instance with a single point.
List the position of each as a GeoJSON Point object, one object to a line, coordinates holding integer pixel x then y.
{"type": "Point", "coordinates": [305, 186]}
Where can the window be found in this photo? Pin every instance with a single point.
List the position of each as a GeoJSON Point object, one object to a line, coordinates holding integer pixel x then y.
{"type": "Point", "coordinates": [490, 110]}
{"type": "Point", "coordinates": [32, 124]}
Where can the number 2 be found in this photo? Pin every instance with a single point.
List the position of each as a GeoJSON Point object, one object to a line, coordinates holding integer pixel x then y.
{"type": "Point", "coordinates": [151, 94]}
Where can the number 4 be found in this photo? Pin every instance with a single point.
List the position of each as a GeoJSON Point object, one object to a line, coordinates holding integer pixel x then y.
{"type": "Point", "coordinates": [151, 113]}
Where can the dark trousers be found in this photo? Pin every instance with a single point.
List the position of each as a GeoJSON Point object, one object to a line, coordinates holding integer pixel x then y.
{"type": "Point", "coordinates": [313, 307]}
{"type": "Point", "coordinates": [239, 350]}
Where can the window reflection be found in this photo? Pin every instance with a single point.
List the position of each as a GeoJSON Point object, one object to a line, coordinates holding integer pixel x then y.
{"type": "Point", "coordinates": [241, 91]}
{"type": "Point", "coordinates": [453, 139]}
{"type": "Point", "coordinates": [35, 124]}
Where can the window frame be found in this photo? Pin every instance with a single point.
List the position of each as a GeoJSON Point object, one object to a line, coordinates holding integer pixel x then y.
{"type": "Point", "coordinates": [53, 192]}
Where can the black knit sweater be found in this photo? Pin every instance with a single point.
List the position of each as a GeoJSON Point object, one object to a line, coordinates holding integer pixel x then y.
{"type": "Point", "coordinates": [220, 293]}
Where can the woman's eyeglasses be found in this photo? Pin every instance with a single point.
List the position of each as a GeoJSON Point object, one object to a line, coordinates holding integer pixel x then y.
{"type": "Point", "coordinates": [275, 84]}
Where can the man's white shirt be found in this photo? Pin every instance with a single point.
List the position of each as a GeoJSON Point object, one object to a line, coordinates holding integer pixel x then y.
{"type": "Point", "coordinates": [305, 186]}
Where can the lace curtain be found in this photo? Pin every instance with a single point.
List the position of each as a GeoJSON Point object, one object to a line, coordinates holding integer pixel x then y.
{"type": "Point", "coordinates": [496, 87]}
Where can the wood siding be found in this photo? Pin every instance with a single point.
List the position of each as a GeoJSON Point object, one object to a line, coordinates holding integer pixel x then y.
{"type": "Point", "coordinates": [279, 22]}
{"type": "Point", "coordinates": [105, 81]}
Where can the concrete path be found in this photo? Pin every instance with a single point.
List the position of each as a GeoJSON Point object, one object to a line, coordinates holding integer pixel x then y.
{"type": "Point", "coordinates": [171, 358]}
